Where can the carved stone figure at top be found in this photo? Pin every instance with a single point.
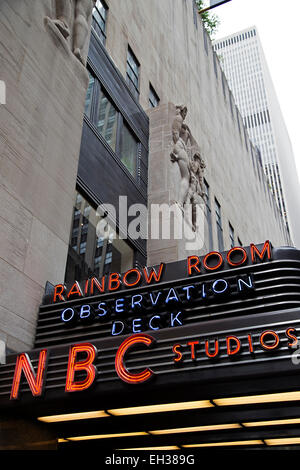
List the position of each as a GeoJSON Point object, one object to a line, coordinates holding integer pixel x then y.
{"type": "Point", "coordinates": [181, 135]}
{"type": "Point", "coordinates": [81, 11]}
{"type": "Point", "coordinates": [196, 188]}
{"type": "Point", "coordinates": [191, 165]}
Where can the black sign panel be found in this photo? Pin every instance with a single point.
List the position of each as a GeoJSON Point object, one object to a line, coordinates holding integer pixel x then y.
{"type": "Point", "coordinates": [245, 326]}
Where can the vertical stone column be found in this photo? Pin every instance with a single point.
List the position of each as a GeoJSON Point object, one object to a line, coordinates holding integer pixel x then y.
{"type": "Point", "coordinates": [40, 135]}
{"type": "Point", "coordinates": [174, 190]}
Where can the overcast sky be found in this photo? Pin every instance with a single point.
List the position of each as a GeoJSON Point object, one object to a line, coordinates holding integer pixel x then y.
{"type": "Point", "coordinates": [278, 24]}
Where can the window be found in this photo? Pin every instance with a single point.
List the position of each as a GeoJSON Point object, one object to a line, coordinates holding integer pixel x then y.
{"type": "Point", "coordinates": [208, 216]}
{"type": "Point", "coordinates": [153, 98]}
{"type": "Point", "coordinates": [219, 225]}
{"type": "Point", "coordinates": [132, 73]}
{"type": "Point", "coordinates": [107, 117]}
{"type": "Point", "coordinates": [231, 235]}
{"type": "Point", "coordinates": [195, 14]}
{"type": "Point", "coordinates": [91, 254]}
{"type": "Point", "coordinates": [129, 148]}
{"type": "Point", "coordinates": [99, 19]}
{"type": "Point", "coordinates": [103, 114]}
{"type": "Point", "coordinates": [89, 96]}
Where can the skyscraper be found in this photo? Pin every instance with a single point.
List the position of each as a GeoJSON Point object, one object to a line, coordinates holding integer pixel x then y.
{"type": "Point", "coordinates": [244, 64]}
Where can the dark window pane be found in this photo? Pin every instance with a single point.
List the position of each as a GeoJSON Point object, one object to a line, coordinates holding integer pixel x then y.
{"type": "Point", "coordinates": [132, 73]}
{"type": "Point", "coordinates": [153, 97]}
{"type": "Point", "coordinates": [128, 152]}
{"type": "Point", "coordinates": [219, 225]}
{"type": "Point", "coordinates": [231, 235]}
{"type": "Point", "coordinates": [91, 254]}
{"type": "Point", "coordinates": [89, 96]}
{"type": "Point", "coordinates": [107, 120]}
{"type": "Point", "coordinates": [99, 20]}
{"type": "Point", "coordinates": [208, 216]}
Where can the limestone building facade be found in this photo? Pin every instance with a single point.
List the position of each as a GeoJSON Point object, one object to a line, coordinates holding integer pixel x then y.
{"type": "Point", "coordinates": [181, 66]}
{"type": "Point", "coordinates": [74, 136]}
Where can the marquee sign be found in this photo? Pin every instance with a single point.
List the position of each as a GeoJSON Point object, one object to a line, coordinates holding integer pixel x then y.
{"type": "Point", "coordinates": [269, 340]}
{"type": "Point", "coordinates": [152, 298]}
{"type": "Point", "coordinates": [207, 315]}
{"type": "Point", "coordinates": [213, 261]}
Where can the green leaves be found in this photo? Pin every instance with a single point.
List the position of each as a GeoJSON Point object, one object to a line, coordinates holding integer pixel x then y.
{"type": "Point", "coordinates": [210, 21]}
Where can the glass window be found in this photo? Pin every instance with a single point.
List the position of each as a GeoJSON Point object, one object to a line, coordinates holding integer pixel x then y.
{"type": "Point", "coordinates": [129, 148]}
{"type": "Point", "coordinates": [153, 97]}
{"type": "Point", "coordinates": [90, 253]}
{"type": "Point", "coordinates": [231, 235]}
{"type": "Point", "coordinates": [89, 96]}
{"type": "Point", "coordinates": [132, 73]}
{"type": "Point", "coordinates": [99, 19]}
{"type": "Point", "coordinates": [107, 117]}
{"type": "Point", "coordinates": [219, 225]}
{"type": "Point", "coordinates": [208, 216]}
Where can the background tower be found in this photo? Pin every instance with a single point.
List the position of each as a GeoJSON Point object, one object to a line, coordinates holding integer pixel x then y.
{"type": "Point", "coordinates": [244, 64]}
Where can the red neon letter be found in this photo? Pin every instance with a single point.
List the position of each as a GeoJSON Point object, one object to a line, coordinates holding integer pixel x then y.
{"type": "Point", "coordinates": [250, 343]}
{"type": "Point", "coordinates": [192, 344]}
{"type": "Point", "coordinates": [75, 290]}
{"type": "Point", "coordinates": [233, 250]}
{"type": "Point", "coordinates": [269, 333]}
{"type": "Point", "coordinates": [35, 381]}
{"type": "Point", "coordinates": [291, 336]}
{"type": "Point", "coordinates": [261, 254]}
{"type": "Point", "coordinates": [85, 365]}
{"type": "Point", "coordinates": [193, 262]}
{"type": "Point", "coordinates": [179, 354]}
{"type": "Point", "coordinates": [132, 283]}
{"type": "Point", "coordinates": [99, 286]}
{"type": "Point", "coordinates": [212, 268]}
{"type": "Point", "coordinates": [153, 274]}
{"type": "Point", "coordinates": [119, 362]}
{"type": "Point", "coordinates": [230, 351]}
{"type": "Point", "coordinates": [216, 351]}
{"type": "Point", "coordinates": [58, 292]}
{"type": "Point", "coordinates": [114, 278]}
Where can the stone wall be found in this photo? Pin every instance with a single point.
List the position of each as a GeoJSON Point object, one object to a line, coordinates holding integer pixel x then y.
{"type": "Point", "coordinates": [177, 58]}
{"type": "Point", "coordinates": [40, 133]}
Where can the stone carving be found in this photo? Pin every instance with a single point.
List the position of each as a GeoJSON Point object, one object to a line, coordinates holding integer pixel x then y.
{"type": "Point", "coordinates": [191, 165]}
{"type": "Point", "coordinates": [71, 19]}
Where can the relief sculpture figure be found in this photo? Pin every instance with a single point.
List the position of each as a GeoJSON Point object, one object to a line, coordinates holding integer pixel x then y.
{"type": "Point", "coordinates": [179, 154]}
{"type": "Point", "coordinates": [77, 12]}
{"type": "Point", "coordinates": [196, 189]}
{"type": "Point", "coordinates": [191, 164]}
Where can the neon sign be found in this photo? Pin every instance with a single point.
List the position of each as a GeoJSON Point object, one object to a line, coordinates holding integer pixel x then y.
{"type": "Point", "coordinates": [36, 380]}
{"type": "Point", "coordinates": [134, 277]}
{"type": "Point", "coordinates": [268, 341]}
{"type": "Point", "coordinates": [155, 309]}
